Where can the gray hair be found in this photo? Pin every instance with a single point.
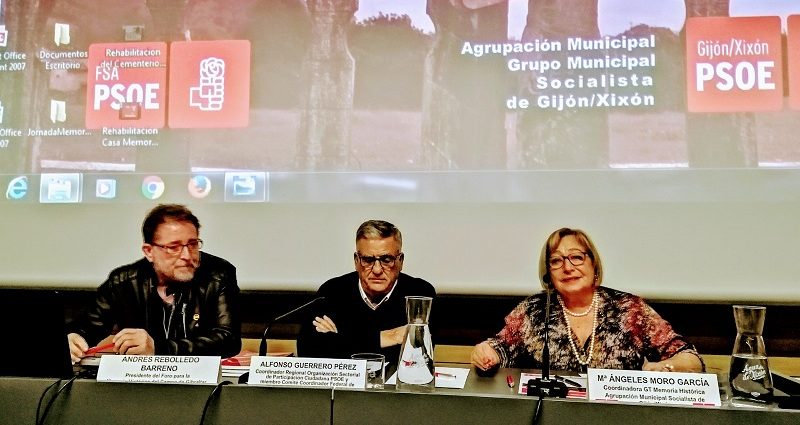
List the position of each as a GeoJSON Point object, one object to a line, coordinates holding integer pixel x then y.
{"type": "Point", "coordinates": [378, 229]}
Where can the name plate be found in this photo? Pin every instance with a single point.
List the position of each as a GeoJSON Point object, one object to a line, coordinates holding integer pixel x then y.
{"type": "Point", "coordinates": [636, 386]}
{"type": "Point", "coordinates": [307, 372]}
{"type": "Point", "coordinates": [159, 369]}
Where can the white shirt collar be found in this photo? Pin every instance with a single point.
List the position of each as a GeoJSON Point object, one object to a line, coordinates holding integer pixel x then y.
{"type": "Point", "coordinates": [368, 301]}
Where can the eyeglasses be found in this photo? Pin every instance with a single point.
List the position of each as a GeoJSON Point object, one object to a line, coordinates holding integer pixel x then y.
{"type": "Point", "coordinates": [177, 248]}
{"type": "Point", "coordinates": [575, 258]}
{"type": "Point", "coordinates": [385, 261]}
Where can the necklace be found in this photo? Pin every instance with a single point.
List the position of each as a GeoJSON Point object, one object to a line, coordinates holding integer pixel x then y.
{"type": "Point", "coordinates": [572, 344]}
{"type": "Point", "coordinates": [573, 314]}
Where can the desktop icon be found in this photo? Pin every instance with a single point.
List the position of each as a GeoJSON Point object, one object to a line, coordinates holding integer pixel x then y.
{"type": "Point", "coordinates": [199, 186]}
{"type": "Point", "coordinates": [106, 188]}
{"type": "Point", "coordinates": [1, 112]}
{"type": "Point", "coordinates": [3, 34]}
{"type": "Point", "coordinates": [61, 34]}
{"type": "Point", "coordinates": [17, 188]}
{"type": "Point", "coordinates": [58, 111]}
{"type": "Point", "coordinates": [152, 187]}
{"type": "Point", "coordinates": [60, 188]}
{"type": "Point", "coordinates": [209, 84]}
{"type": "Point", "coordinates": [245, 187]}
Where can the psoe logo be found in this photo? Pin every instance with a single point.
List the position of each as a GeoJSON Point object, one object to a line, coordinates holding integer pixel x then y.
{"type": "Point", "coordinates": [734, 64]}
{"type": "Point", "coordinates": [209, 84]}
{"type": "Point", "coordinates": [152, 187]}
{"type": "Point", "coordinates": [17, 188]}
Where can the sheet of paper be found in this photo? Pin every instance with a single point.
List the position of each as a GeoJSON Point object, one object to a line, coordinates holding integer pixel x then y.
{"type": "Point", "coordinates": [451, 377]}
{"type": "Point", "coordinates": [446, 377]}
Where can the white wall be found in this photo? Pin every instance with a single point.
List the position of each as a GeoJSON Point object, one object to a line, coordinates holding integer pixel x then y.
{"type": "Point", "coordinates": [685, 251]}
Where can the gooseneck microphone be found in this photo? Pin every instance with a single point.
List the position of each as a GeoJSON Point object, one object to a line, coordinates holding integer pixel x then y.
{"type": "Point", "coordinates": [544, 386]}
{"type": "Point", "coordinates": [262, 350]}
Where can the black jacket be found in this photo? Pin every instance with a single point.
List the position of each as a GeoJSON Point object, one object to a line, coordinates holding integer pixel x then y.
{"type": "Point", "coordinates": [205, 320]}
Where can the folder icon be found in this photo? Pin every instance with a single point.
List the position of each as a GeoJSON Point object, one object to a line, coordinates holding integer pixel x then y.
{"type": "Point", "coordinates": [61, 34]}
{"type": "Point", "coordinates": [58, 111]}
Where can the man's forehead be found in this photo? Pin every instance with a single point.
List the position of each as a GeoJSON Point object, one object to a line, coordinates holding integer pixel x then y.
{"type": "Point", "coordinates": [175, 228]}
{"type": "Point", "coordinates": [377, 246]}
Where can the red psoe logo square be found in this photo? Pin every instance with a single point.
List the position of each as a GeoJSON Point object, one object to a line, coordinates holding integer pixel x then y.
{"type": "Point", "coordinates": [793, 44]}
{"type": "Point", "coordinates": [126, 85]}
{"type": "Point", "coordinates": [209, 84]}
{"type": "Point", "coordinates": [734, 64]}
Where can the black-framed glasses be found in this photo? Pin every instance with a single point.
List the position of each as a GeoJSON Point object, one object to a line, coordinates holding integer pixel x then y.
{"type": "Point", "coordinates": [193, 245]}
{"type": "Point", "coordinates": [575, 258]}
{"type": "Point", "coordinates": [385, 261]}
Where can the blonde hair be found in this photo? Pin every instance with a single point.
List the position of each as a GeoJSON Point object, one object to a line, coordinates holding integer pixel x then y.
{"type": "Point", "coordinates": [551, 244]}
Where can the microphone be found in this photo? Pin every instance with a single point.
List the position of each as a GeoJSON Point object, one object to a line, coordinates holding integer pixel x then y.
{"type": "Point", "coordinates": [262, 350]}
{"type": "Point", "coordinates": [544, 386]}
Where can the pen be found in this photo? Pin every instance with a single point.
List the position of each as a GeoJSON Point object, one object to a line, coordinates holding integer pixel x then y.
{"type": "Point", "coordinates": [568, 381]}
{"type": "Point", "coordinates": [510, 381]}
{"type": "Point", "coordinates": [445, 375]}
{"type": "Point", "coordinates": [99, 348]}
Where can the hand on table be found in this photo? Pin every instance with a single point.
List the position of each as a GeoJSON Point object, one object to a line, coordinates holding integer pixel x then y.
{"type": "Point", "coordinates": [484, 357]}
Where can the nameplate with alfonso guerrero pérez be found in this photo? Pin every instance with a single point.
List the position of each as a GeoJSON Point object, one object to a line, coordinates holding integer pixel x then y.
{"type": "Point", "coordinates": [635, 386]}
{"type": "Point", "coordinates": [307, 372]}
{"type": "Point", "coordinates": [159, 369]}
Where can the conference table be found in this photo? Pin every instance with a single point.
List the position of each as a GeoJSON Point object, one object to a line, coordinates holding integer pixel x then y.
{"type": "Point", "coordinates": [484, 400]}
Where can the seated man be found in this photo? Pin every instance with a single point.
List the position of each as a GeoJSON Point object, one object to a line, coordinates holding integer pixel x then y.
{"type": "Point", "coordinates": [364, 311]}
{"type": "Point", "coordinates": [175, 300]}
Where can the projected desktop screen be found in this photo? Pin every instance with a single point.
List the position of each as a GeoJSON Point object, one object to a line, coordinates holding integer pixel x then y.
{"type": "Point", "coordinates": [667, 130]}
{"type": "Point", "coordinates": [344, 101]}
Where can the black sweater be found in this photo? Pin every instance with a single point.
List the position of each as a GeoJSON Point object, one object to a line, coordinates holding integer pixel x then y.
{"type": "Point", "coordinates": [358, 325]}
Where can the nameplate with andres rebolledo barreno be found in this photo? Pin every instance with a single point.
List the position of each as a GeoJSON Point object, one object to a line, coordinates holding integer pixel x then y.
{"type": "Point", "coordinates": [635, 386]}
{"type": "Point", "coordinates": [307, 372]}
{"type": "Point", "coordinates": [159, 369]}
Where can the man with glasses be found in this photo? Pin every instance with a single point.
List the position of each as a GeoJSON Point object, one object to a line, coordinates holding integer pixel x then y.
{"type": "Point", "coordinates": [364, 311]}
{"type": "Point", "coordinates": [175, 300]}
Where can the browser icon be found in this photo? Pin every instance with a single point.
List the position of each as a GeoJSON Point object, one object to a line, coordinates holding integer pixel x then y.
{"type": "Point", "coordinates": [17, 188]}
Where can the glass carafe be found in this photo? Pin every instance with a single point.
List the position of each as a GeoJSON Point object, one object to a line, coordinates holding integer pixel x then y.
{"type": "Point", "coordinates": [749, 373]}
{"type": "Point", "coordinates": [415, 370]}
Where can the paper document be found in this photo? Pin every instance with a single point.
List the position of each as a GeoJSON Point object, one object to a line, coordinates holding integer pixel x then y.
{"type": "Point", "coordinates": [451, 377]}
{"type": "Point", "coordinates": [446, 377]}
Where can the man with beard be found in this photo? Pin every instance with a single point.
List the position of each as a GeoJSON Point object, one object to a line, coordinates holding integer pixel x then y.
{"type": "Point", "coordinates": [175, 300]}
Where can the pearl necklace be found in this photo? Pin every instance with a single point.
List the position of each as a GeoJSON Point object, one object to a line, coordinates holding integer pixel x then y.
{"type": "Point", "coordinates": [573, 314]}
{"type": "Point", "coordinates": [572, 344]}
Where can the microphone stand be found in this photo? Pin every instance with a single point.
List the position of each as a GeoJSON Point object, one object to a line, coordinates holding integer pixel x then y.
{"type": "Point", "coordinates": [544, 386]}
{"type": "Point", "coordinates": [262, 350]}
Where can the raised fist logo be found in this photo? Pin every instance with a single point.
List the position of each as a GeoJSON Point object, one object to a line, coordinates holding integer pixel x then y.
{"type": "Point", "coordinates": [210, 93]}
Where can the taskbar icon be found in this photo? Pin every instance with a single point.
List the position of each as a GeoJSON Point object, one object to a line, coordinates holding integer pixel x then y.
{"type": "Point", "coordinates": [60, 188]}
{"type": "Point", "coordinates": [246, 186]}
